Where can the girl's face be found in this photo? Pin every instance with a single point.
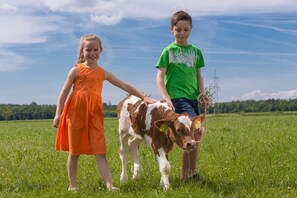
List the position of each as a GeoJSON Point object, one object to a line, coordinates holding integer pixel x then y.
{"type": "Point", "coordinates": [91, 52]}
{"type": "Point", "coordinates": [181, 32]}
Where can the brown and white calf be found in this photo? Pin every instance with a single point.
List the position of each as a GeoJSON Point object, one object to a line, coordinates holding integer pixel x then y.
{"type": "Point", "coordinates": [158, 126]}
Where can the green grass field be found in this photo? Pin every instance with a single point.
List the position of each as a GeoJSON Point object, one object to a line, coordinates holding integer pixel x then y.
{"type": "Point", "coordinates": [250, 155]}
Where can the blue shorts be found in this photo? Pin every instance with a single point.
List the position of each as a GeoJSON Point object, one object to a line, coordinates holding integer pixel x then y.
{"type": "Point", "coordinates": [182, 105]}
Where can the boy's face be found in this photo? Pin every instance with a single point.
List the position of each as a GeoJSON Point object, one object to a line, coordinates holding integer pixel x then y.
{"type": "Point", "coordinates": [181, 32]}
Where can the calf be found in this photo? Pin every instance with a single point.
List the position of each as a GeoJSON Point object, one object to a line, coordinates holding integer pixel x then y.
{"type": "Point", "coordinates": [158, 126]}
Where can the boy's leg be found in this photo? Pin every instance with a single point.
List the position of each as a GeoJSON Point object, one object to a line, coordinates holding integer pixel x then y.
{"type": "Point", "coordinates": [72, 169]}
{"type": "Point", "coordinates": [189, 167]}
{"type": "Point", "coordinates": [190, 158]}
{"type": "Point", "coordinates": [194, 154]}
{"type": "Point", "coordinates": [104, 170]}
{"type": "Point", "coordinates": [190, 162]}
{"type": "Point", "coordinates": [186, 165]}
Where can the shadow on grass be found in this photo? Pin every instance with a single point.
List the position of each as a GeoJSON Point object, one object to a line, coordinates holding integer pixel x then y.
{"type": "Point", "coordinates": [224, 188]}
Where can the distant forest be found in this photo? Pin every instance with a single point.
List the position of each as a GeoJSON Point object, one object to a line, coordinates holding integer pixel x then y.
{"type": "Point", "coordinates": [34, 111]}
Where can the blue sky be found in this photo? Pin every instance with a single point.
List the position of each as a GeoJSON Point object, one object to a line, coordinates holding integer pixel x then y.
{"type": "Point", "coordinates": [252, 45]}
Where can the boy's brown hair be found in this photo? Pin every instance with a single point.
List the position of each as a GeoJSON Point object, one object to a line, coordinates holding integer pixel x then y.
{"type": "Point", "coordinates": [180, 16]}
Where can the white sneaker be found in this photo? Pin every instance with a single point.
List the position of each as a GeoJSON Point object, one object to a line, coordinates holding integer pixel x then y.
{"type": "Point", "coordinates": [73, 189]}
{"type": "Point", "coordinates": [114, 189]}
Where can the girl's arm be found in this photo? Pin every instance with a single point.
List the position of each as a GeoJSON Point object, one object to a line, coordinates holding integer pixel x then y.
{"type": "Point", "coordinates": [63, 95]}
{"type": "Point", "coordinates": [126, 87]}
{"type": "Point", "coordinates": [161, 86]}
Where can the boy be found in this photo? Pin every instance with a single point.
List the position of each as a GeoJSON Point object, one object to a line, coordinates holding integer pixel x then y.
{"type": "Point", "coordinates": [180, 82]}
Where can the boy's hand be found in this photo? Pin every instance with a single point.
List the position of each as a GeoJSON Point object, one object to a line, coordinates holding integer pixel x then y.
{"type": "Point", "coordinates": [203, 99]}
{"type": "Point", "coordinates": [169, 102]}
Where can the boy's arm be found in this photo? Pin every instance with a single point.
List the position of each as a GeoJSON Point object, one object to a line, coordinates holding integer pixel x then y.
{"type": "Point", "coordinates": [200, 82]}
{"type": "Point", "coordinates": [161, 86]}
{"type": "Point", "coordinates": [160, 83]}
{"type": "Point", "coordinates": [202, 98]}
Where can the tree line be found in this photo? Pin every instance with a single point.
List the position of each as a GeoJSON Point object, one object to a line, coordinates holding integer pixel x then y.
{"type": "Point", "coordinates": [34, 111]}
{"type": "Point", "coordinates": [250, 106]}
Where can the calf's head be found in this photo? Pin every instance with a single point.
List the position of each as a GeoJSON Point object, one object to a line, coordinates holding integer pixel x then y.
{"type": "Point", "coordinates": [181, 129]}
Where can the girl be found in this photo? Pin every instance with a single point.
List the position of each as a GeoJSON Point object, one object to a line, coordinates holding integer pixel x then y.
{"type": "Point", "coordinates": [80, 122]}
{"type": "Point", "coordinates": [180, 81]}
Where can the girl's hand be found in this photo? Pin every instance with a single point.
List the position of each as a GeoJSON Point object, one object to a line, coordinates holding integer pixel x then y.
{"type": "Point", "coordinates": [56, 121]}
{"type": "Point", "coordinates": [148, 100]}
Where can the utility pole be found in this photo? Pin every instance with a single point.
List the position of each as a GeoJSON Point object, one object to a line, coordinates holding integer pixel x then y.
{"type": "Point", "coordinates": [216, 91]}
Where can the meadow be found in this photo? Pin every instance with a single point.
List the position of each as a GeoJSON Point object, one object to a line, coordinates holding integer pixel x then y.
{"type": "Point", "coordinates": [242, 155]}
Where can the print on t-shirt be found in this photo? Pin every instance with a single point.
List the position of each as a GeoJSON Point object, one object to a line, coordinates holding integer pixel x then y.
{"type": "Point", "coordinates": [187, 57]}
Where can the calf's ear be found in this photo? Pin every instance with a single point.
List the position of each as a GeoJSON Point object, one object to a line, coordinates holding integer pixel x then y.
{"type": "Point", "coordinates": [198, 120]}
{"type": "Point", "coordinates": [197, 124]}
{"type": "Point", "coordinates": [162, 125]}
{"type": "Point", "coordinates": [201, 117]}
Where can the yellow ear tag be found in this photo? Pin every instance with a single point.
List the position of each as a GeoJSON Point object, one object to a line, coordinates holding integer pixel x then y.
{"type": "Point", "coordinates": [197, 124]}
{"type": "Point", "coordinates": [164, 127]}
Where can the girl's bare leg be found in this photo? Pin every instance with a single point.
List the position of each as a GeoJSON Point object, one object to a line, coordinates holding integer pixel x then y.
{"type": "Point", "coordinates": [72, 169]}
{"type": "Point", "coordinates": [104, 170]}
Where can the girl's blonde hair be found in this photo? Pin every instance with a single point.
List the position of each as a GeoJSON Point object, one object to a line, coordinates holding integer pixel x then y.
{"type": "Point", "coordinates": [87, 37]}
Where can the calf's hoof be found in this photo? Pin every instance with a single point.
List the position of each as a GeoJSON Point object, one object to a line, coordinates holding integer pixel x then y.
{"type": "Point", "coordinates": [137, 174]}
{"type": "Point", "coordinates": [124, 179]}
{"type": "Point", "coordinates": [165, 186]}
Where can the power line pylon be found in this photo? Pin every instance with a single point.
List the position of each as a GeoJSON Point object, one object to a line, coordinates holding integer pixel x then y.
{"type": "Point", "coordinates": [216, 91]}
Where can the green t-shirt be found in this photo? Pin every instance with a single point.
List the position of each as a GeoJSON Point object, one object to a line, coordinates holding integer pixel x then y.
{"type": "Point", "coordinates": [181, 63]}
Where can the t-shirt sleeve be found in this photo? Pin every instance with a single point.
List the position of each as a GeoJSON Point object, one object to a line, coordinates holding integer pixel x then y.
{"type": "Point", "coordinates": [200, 60]}
{"type": "Point", "coordinates": [163, 61]}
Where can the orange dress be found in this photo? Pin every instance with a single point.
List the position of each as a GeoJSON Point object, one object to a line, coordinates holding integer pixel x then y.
{"type": "Point", "coordinates": [81, 125]}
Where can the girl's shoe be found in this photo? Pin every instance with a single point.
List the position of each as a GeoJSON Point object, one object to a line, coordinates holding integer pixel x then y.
{"type": "Point", "coordinates": [113, 189]}
{"type": "Point", "coordinates": [73, 189]}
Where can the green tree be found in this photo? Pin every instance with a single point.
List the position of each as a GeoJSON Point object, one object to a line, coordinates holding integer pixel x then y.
{"type": "Point", "coordinates": [7, 112]}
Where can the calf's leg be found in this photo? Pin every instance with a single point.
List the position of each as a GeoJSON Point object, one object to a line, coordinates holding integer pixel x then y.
{"type": "Point", "coordinates": [134, 145]}
{"type": "Point", "coordinates": [124, 152]}
{"type": "Point", "coordinates": [164, 167]}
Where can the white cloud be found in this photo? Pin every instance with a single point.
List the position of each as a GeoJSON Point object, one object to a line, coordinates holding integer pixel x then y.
{"type": "Point", "coordinates": [260, 95]}
{"type": "Point", "coordinates": [28, 27]}
{"type": "Point", "coordinates": [22, 29]}
{"type": "Point", "coordinates": [277, 29]}
{"type": "Point", "coordinates": [8, 7]}
{"type": "Point", "coordinates": [10, 61]}
{"type": "Point", "coordinates": [257, 87]}
{"type": "Point", "coordinates": [108, 11]}
{"type": "Point", "coordinates": [107, 20]}
{"type": "Point", "coordinates": [19, 28]}
{"type": "Point", "coordinates": [252, 53]}
{"type": "Point", "coordinates": [254, 95]}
